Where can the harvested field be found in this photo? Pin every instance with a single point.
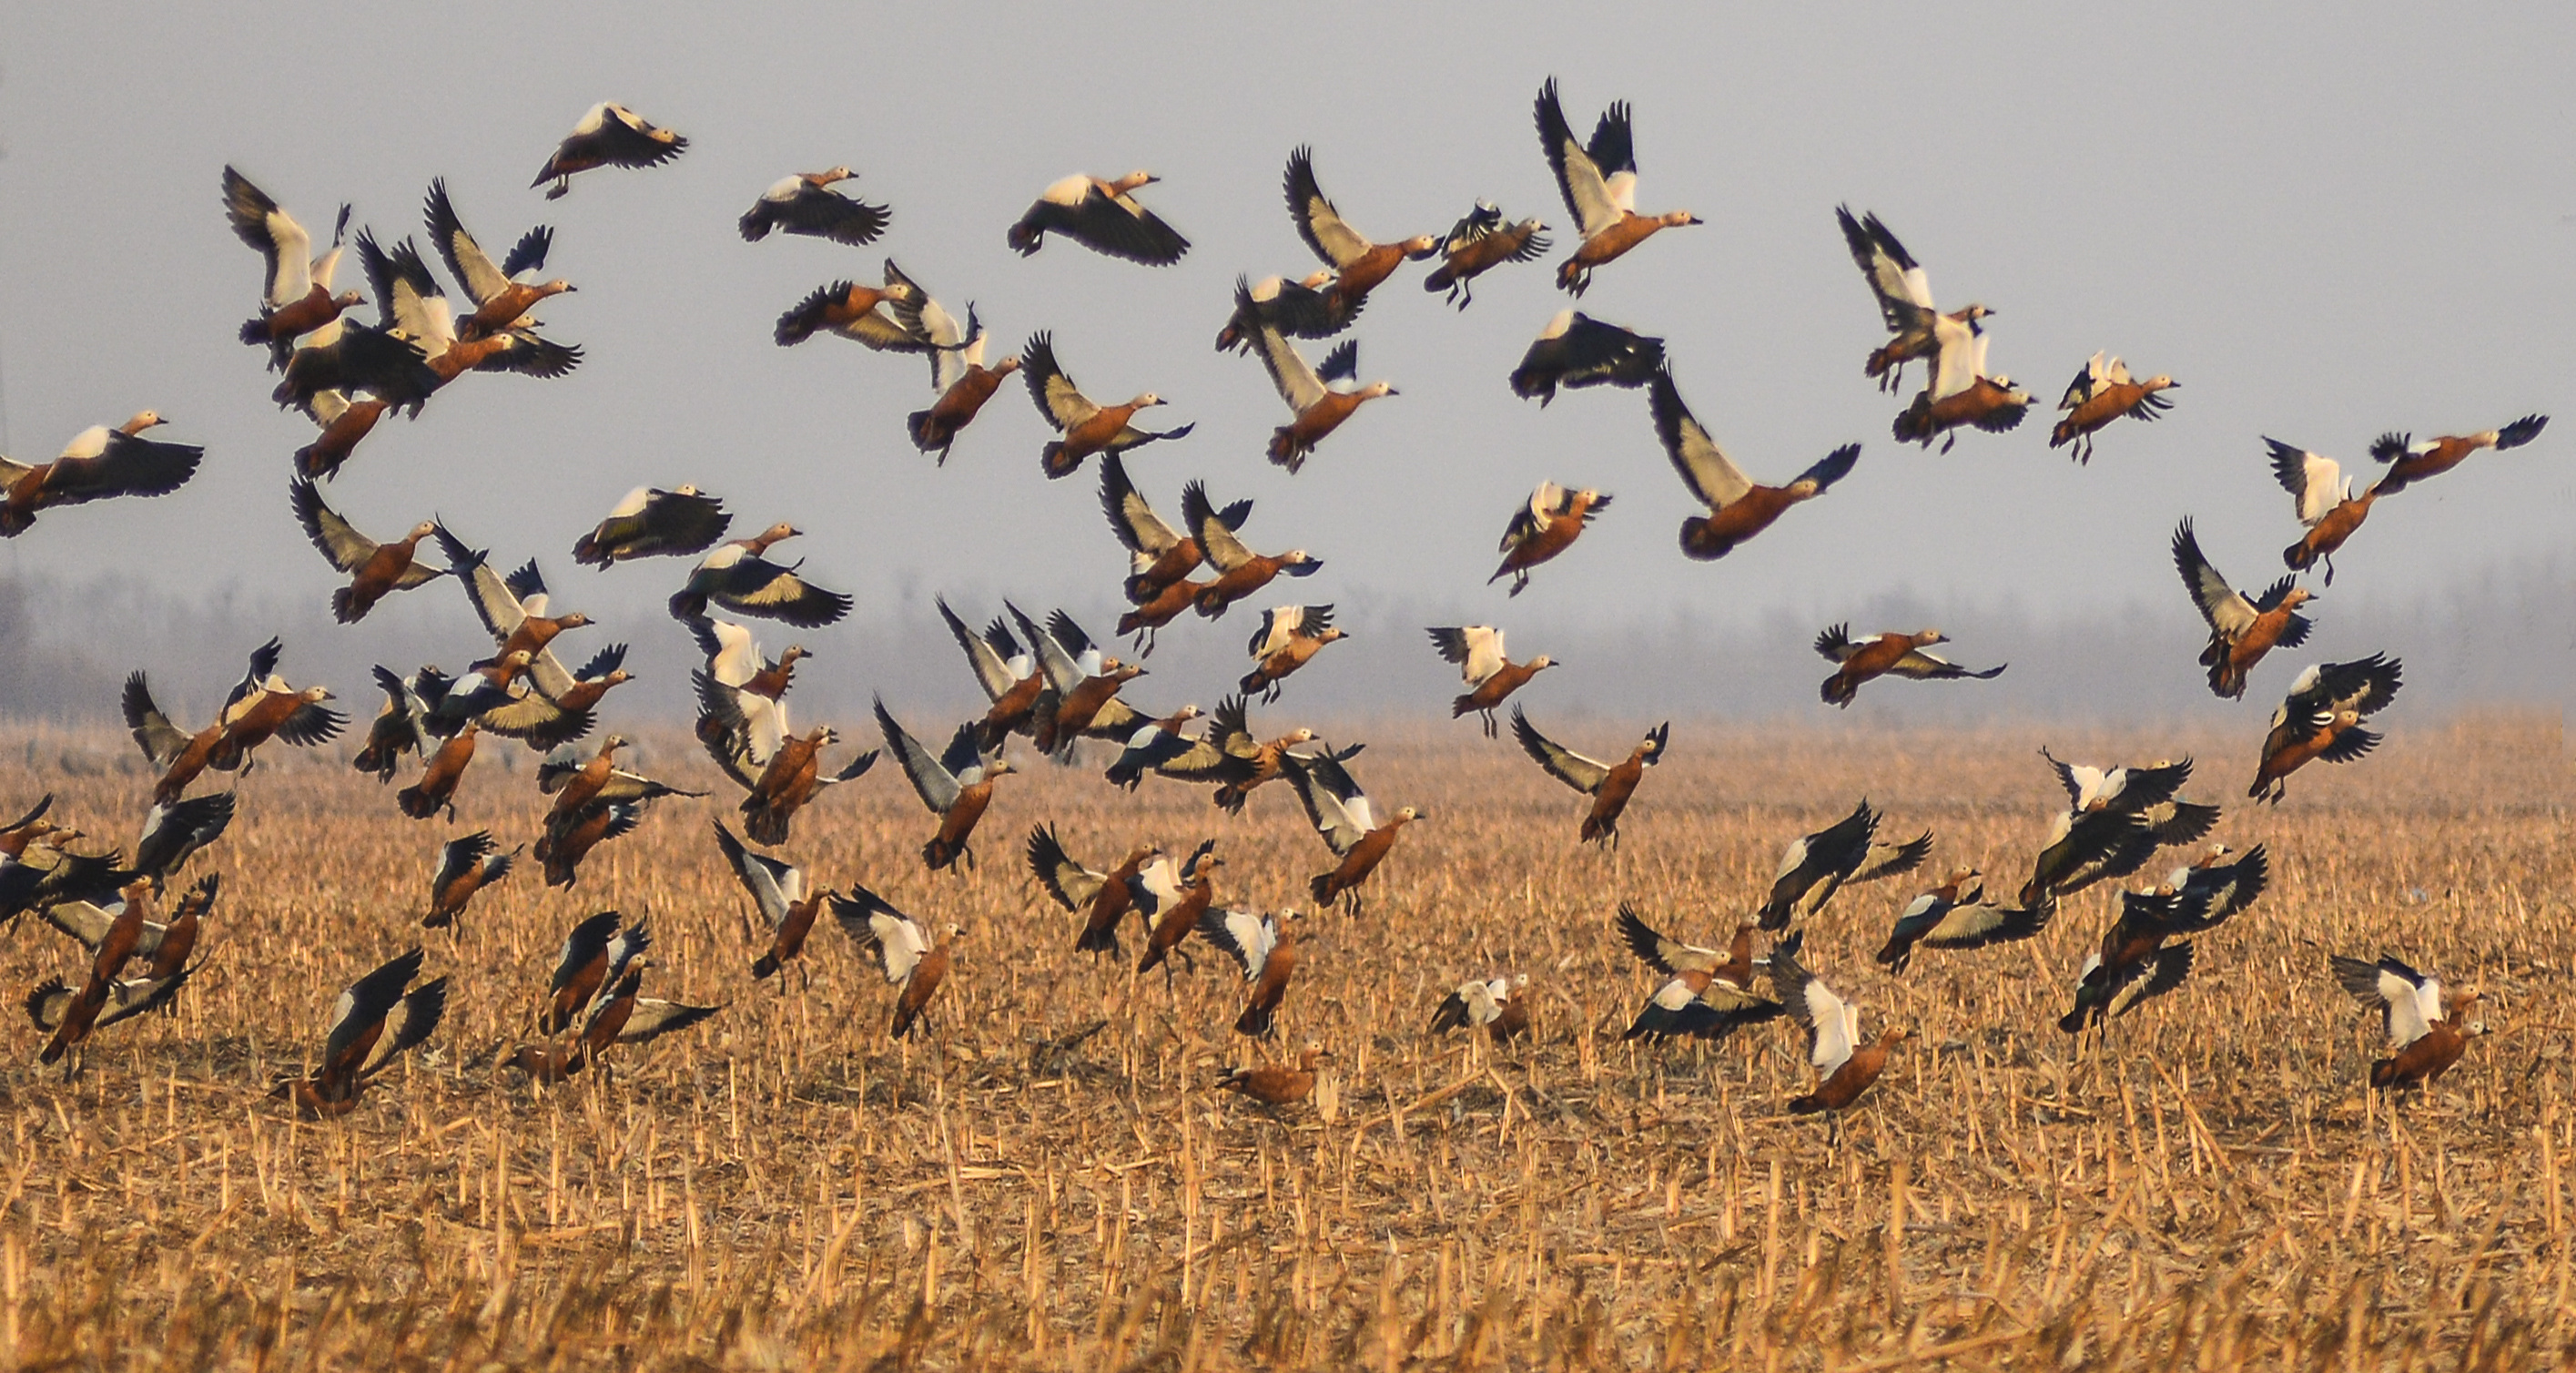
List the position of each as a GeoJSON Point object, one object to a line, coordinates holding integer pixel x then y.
{"type": "Point", "coordinates": [1046, 1179]}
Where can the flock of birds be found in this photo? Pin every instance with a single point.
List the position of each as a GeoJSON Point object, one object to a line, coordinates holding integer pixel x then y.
{"type": "Point", "coordinates": [1053, 682]}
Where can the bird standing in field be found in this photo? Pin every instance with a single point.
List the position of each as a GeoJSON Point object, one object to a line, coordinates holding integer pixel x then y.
{"type": "Point", "coordinates": [1348, 822]}
{"type": "Point", "coordinates": [1844, 1063]}
{"type": "Point", "coordinates": [608, 135]}
{"type": "Point", "coordinates": [1262, 947]}
{"type": "Point", "coordinates": [1599, 182]}
{"type": "Point", "coordinates": [806, 204]}
{"type": "Point", "coordinates": [651, 522]}
{"type": "Point", "coordinates": [1576, 351]}
{"type": "Point", "coordinates": [1289, 637]}
{"type": "Point", "coordinates": [2321, 718]}
{"type": "Point", "coordinates": [375, 570]}
{"type": "Point", "coordinates": [1494, 1005]}
{"type": "Point", "coordinates": [1480, 241]}
{"type": "Point", "coordinates": [1708, 994]}
{"type": "Point", "coordinates": [465, 866]}
{"type": "Point", "coordinates": [2410, 462]}
{"type": "Point", "coordinates": [1103, 216]}
{"type": "Point", "coordinates": [2241, 631]}
{"type": "Point", "coordinates": [2325, 502]}
{"type": "Point", "coordinates": [98, 464]}
{"type": "Point", "coordinates": [2427, 1030]}
{"type": "Point", "coordinates": [1894, 652]}
{"type": "Point", "coordinates": [1608, 784]}
{"type": "Point", "coordinates": [2101, 393]}
{"type": "Point", "coordinates": [912, 962]}
{"type": "Point", "coordinates": [1547, 525]}
{"type": "Point", "coordinates": [1845, 853]}
{"type": "Point", "coordinates": [372, 1023]}
{"type": "Point", "coordinates": [1276, 1084]}
{"type": "Point", "coordinates": [1087, 427]}
{"type": "Point", "coordinates": [1904, 295]}
{"type": "Point", "coordinates": [1737, 508]}
{"type": "Point", "coordinates": [956, 785]}
{"type": "Point", "coordinates": [1490, 676]}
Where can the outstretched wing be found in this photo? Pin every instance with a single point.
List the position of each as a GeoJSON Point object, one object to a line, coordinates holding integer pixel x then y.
{"type": "Point", "coordinates": [1562, 763]}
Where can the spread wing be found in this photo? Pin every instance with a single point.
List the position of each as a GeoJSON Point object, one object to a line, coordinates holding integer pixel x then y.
{"type": "Point", "coordinates": [2315, 482]}
{"type": "Point", "coordinates": [1562, 763]}
{"type": "Point", "coordinates": [2226, 611]}
{"type": "Point", "coordinates": [1815, 1005]}
{"type": "Point", "coordinates": [1904, 293]}
{"type": "Point", "coordinates": [1334, 803]}
{"type": "Point", "coordinates": [1138, 528]}
{"type": "Point", "coordinates": [1582, 180]}
{"type": "Point", "coordinates": [1058, 400]}
{"type": "Point", "coordinates": [1318, 223]}
{"type": "Point", "coordinates": [1244, 935]}
{"type": "Point", "coordinates": [895, 940]}
{"type": "Point", "coordinates": [937, 787]}
{"type": "Point", "coordinates": [347, 549]}
{"type": "Point", "coordinates": [1704, 467]}
{"type": "Point", "coordinates": [1662, 952]}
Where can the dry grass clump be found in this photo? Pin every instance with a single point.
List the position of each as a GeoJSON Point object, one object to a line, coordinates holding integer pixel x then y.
{"type": "Point", "coordinates": [1046, 1180]}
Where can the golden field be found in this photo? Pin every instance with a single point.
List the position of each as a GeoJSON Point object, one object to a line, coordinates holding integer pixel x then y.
{"type": "Point", "coordinates": [784, 1187]}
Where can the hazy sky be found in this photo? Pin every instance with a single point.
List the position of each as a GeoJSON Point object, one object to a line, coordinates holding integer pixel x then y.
{"type": "Point", "coordinates": [2325, 221]}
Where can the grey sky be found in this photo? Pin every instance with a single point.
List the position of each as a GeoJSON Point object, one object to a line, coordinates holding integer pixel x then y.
{"type": "Point", "coordinates": [2324, 221]}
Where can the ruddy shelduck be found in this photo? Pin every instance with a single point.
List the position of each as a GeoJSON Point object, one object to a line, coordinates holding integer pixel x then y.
{"type": "Point", "coordinates": [375, 570]}
{"type": "Point", "coordinates": [373, 1022]}
{"type": "Point", "coordinates": [2410, 462]}
{"type": "Point", "coordinates": [1289, 637]}
{"type": "Point", "coordinates": [1103, 216]}
{"type": "Point", "coordinates": [1904, 295]}
{"type": "Point", "coordinates": [2241, 630]}
{"type": "Point", "coordinates": [1545, 526]}
{"type": "Point", "coordinates": [787, 903]}
{"type": "Point", "coordinates": [1895, 652]}
{"type": "Point", "coordinates": [1263, 948]}
{"type": "Point", "coordinates": [2321, 718]}
{"type": "Point", "coordinates": [903, 950]}
{"type": "Point", "coordinates": [955, 785]}
{"type": "Point", "coordinates": [466, 865]}
{"type": "Point", "coordinates": [806, 204]}
{"type": "Point", "coordinates": [1348, 822]}
{"type": "Point", "coordinates": [607, 135]}
{"type": "Point", "coordinates": [1707, 995]}
{"type": "Point", "coordinates": [1276, 1084]}
{"type": "Point", "coordinates": [1608, 784]}
{"type": "Point", "coordinates": [1490, 676]}
{"type": "Point", "coordinates": [1575, 351]}
{"type": "Point", "coordinates": [1599, 182]}
{"type": "Point", "coordinates": [2326, 505]}
{"type": "Point", "coordinates": [1845, 1064]}
{"type": "Point", "coordinates": [1738, 508]}
{"type": "Point", "coordinates": [1480, 241]}
{"type": "Point", "coordinates": [650, 522]}
{"type": "Point", "coordinates": [1495, 1005]}
{"type": "Point", "coordinates": [2427, 1029]}
{"type": "Point", "coordinates": [1844, 853]}
{"type": "Point", "coordinates": [98, 464]}
{"type": "Point", "coordinates": [1087, 427]}
{"type": "Point", "coordinates": [2101, 393]}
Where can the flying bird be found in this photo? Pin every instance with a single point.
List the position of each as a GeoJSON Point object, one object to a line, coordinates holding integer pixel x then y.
{"type": "Point", "coordinates": [373, 1022]}
{"type": "Point", "coordinates": [2427, 1030]}
{"type": "Point", "coordinates": [2101, 393]}
{"type": "Point", "coordinates": [1491, 677]}
{"type": "Point", "coordinates": [903, 950]}
{"type": "Point", "coordinates": [1845, 1064]}
{"type": "Point", "coordinates": [1875, 657]}
{"type": "Point", "coordinates": [2325, 502]}
{"type": "Point", "coordinates": [1348, 822]}
{"type": "Point", "coordinates": [2410, 462]}
{"type": "Point", "coordinates": [1845, 853]}
{"type": "Point", "coordinates": [1289, 637]}
{"type": "Point", "coordinates": [1544, 527]}
{"type": "Point", "coordinates": [1904, 295]}
{"type": "Point", "coordinates": [375, 570]}
{"type": "Point", "coordinates": [1480, 241]}
{"type": "Point", "coordinates": [650, 522]}
{"type": "Point", "coordinates": [1103, 216]}
{"type": "Point", "coordinates": [1737, 508]}
{"type": "Point", "coordinates": [1599, 182]}
{"type": "Point", "coordinates": [1576, 351]}
{"type": "Point", "coordinates": [98, 464]}
{"type": "Point", "coordinates": [1608, 784]}
{"type": "Point", "coordinates": [2321, 718]}
{"type": "Point", "coordinates": [2241, 631]}
{"type": "Point", "coordinates": [608, 135]}
{"type": "Point", "coordinates": [806, 204]}
{"type": "Point", "coordinates": [1087, 428]}
{"type": "Point", "coordinates": [740, 577]}
{"type": "Point", "coordinates": [955, 785]}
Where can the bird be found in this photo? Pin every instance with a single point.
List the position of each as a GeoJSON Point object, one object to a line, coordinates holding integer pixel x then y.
{"type": "Point", "coordinates": [777, 785]}
{"type": "Point", "coordinates": [1262, 947]}
{"type": "Point", "coordinates": [375, 570]}
{"type": "Point", "coordinates": [2137, 959]}
{"type": "Point", "coordinates": [55, 1007]}
{"type": "Point", "coordinates": [1087, 428]}
{"type": "Point", "coordinates": [1348, 822]}
{"type": "Point", "coordinates": [518, 613]}
{"type": "Point", "coordinates": [2101, 393]}
{"type": "Point", "coordinates": [1495, 1005]}
{"type": "Point", "coordinates": [1309, 307]}
{"type": "Point", "coordinates": [568, 841]}
{"type": "Point", "coordinates": [1178, 912]}
{"type": "Point", "coordinates": [1276, 1084]}
{"type": "Point", "coordinates": [1010, 676]}
{"type": "Point", "coordinates": [1103, 216]}
{"type": "Point", "coordinates": [608, 135]}
{"type": "Point", "coordinates": [806, 204]}
{"type": "Point", "coordinates": [2321, 718]}
{"type": "Point", "coordinates": [1956, 915]}
{"type": "Point", "coordinates": [1599, 182]}
{"type": "Point", "coordinates": [373, 1022]}
{"type": "Point", "coordinates": [887, 319]}
{"type": "Point", "coordinates": [1102, 899]}
{"type": "Point", "coordinates": [742, 695]}
{"type": "Point", "coordinates": [2241, 631]}
{"type": "Point", "coordinates": [1154, 743]}
{"type": "Point", "coordinates": [2325, 502]}
{"type": "Point", "coordinates": [779, 891]}
{"type": "Point", "coordinates": [617, 1014]}
{"type": "Point", "coordinates": [1904, 298]}
{"type": "Point", "coordinates": [594, 957]}
{"type": "Point", "coordinates": [1358, 265]}
{"type": "Point", "coordinates": [1232, 757]}
{"type": "Point", "coordinates": [1080, 696]}
{"type": "Point", "coordinates": [1547, 525]}
{"type": "Point", "coordinates": [1846, 1066]}
{"type": "Point", "coordinates": [442, 770]}
{"type": "Point", "coordinates": [1737, 508]}
{"type": "Point", "coordinates": [956, 786]}
{"type": "Point", "coordinates": [963, 381]}
{"type": "Point", "coordinates": [174, 833]}
{"type": "Point", "coordinates": [262, 706]}
{"type": "Point", "coordinates": [2410, 462]}
{"type": "Point", "coordinates": [1893, 651]}
{"type": "Point", "coordinates": [1576, 351]}
{"type": "Point", "coordinates": [466, 865]}
{"type": "Point", "coordinates": [181, 756]}
{"type": "Point", "coordinates": [650, 522]}
{"type": "Point", "coordinates": [501, 298]}
{"type": "Point", "coordinates": [740, 577]}
{"type": "Point", "coordinates": [98, 464]}
{"type": "Point", "coordinates": [1845, 853]}
{"type": "Point", "coordinates": [2104, 993]}
{"type": "Point", "coordinates": [1961, 391]}
{"type": "Point", "coordinates": [79, 1013]}
{"type": "Point", "coordinates": [1707, 994]}
{"type": "Point", "coordinates": [1490, 676]}
{"type": "Point", "coordinates": [1317, 409]}
{"type": "Point", "coordinates": [576, 782]}
{"type": "Point", "coordinates": [403, 724]}
{"type": "Point", "coordinates": [2427, 1029]}
{"type": "Point", "coordinates": [1289, 637]}
{"type": "Point", "coordinates": [1240, 571]}
{"type": "Point", "coordinates": [295, 296]}
{"type": "Point", "coordinates": [1159, 556]}
{"type": "Point", "coordinates": [1480, 241]}
{"type": "Point", "coordinates": [902, 948]}
{"type": "Point", "coordinates": [1608, 784]}
{"type": "Point", "coordinates": [2115, 820]}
